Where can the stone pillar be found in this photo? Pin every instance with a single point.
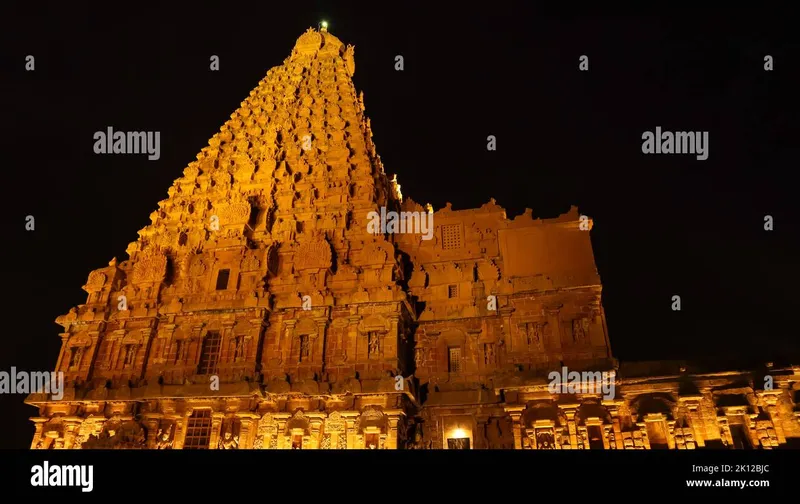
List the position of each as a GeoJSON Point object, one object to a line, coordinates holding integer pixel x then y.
{"type": "Point", "coordinates": [93, 350]}
{"type": "Point", "coordinates": [247, 429]}
{"type": "Point", "coordinates": [570, 410]}
{"type": "Point", "coordinates": [216, 424]}
{"type": "Point", "coordinates": [696, 422]}
{"type": "Point", "coordinates": [71, 426]}
{"type": "Point", "coordinates": [147, 340]}
{"type": "Point", "coordinates": [181, 425]}
{"type": "Point", "coordinates": [197, 338]}
{"type": "Point", "coordinates": [64, 352]}
{"type": "Point", "coordinates": [119, 335]}
{"type": "Point", "coordinates": [392, 352]}
{"type": "Point", "coordinates": [771, 407]}
{"type": "Point", "coordinates": [164, 340]}
{"type": "Point", "coordinates": [152, 421]}
{"type": "Point", "coordinates": [258, 329]}
{"type": "Point", "coordinates": [350, 433]}
{"type": "Point", "coordinates": [226, 356]}
{"type": "Point", "coordinates": [613, 407]}
{"type": "Point", "coordinates": [285, 345]}
{"type": "Point", "coordinates": [394, 419]}
{"type": "Point", "coordinates": [508, 331]}
{"type": "Point", "coordinates": [38, 424]}
{"type": "Point", "coordinates": [670, 433]}
{"type": "Point", "coordinates": [315, 428]}
{"type": "Point", "coordinates": [351, 348]}
{"type": "Point", "coordinates": [281, 433]}
{"type": "Point", "coordinates": [322, 326]}
{"type": "Point", "coordinates": [516, 416]}
{"type": "Point", "coordinates": [481, 441]}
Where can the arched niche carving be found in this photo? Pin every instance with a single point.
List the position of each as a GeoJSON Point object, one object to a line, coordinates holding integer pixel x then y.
{"type": "Point", "coordinates": [77, 348]}
{"type": "Point", "coordinates": [371, 416]}
{"type": "Point", "coordinates": [305, 327]}
{"type": "Point", "coordinates": [242, 328]}
{"type": "Point", "coordinates": [80, 340]}
{"type": "Point", "coordinates": [453, 337]}
{"type": "Point", "coordinates": [653, 404]}
{"type": "Point", "coordinates": [298, 421]}
{"type": "Point", "coordinates": [593, 409]}
{"type": "Point", "coordinates": [374, 323]}
{"type": "Point", "coordinates": [543, 411]}
{"type": "Point", "coordinates": [133, 338]}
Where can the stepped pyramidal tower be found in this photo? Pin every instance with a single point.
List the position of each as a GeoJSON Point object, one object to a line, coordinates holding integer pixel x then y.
{"type": "Point", "coordinates": [260, 310]}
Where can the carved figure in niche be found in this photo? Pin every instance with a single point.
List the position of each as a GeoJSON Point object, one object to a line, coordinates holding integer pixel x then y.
{"type": "Point", "coordinates": [129, 435]}
{"type": "Point", "coordinates": [419, 357]}
{"type": "Point", "coordinates": [239, 349]}
{"type": "Point", "coordinates": [229, 441]}
{"type": "Point", "coordinates": [76, 354]}
{"type": "Point", "coordinates": [416, 444]}
{"type": "Point", "coordinates": [305, 349]}
{"type": "Point", "coordinates": [723, 435]}
{"type": "Point", "coordinates": [164, 439]}
{"type": "Point", "coordinates": [139, 438]}
{"type": "Point", "coordinates": [488, 353]}
{"type": "Point", "coordinates": [373, 344]}
{"type": "Point", "coordinates": [580, 328]}
{"type": "Point", "coordinates": [179, 350]}
{"type": "Point", "coordinates": [84, 432]}
{"type": "Point", "coordinates": [130, 355]}
{"type": "Point", "coordinates": [545, 441]}
{"type": "Point", "coordinates": [536, 333]}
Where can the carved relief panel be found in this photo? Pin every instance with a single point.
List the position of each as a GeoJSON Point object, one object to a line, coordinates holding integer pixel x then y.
{"type": "Point", "coordinates": [229, 436]}
{"type": "Point", "coordinates": [267, 433]}
{"type": "Point", "coordinates": [580, 330]}
{"type": "Point", "coordinates": [533, 335]}
{"type": "Point", "coordinates": [76, 352]}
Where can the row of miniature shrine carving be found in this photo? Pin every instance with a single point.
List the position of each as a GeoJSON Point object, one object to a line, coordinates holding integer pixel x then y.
{"type": "Point", "coordinates": [122, 354]}
{"type": "Point", "coordinates": [649, 435]}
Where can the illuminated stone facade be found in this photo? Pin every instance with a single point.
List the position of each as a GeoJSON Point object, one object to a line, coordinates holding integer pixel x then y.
{"type": "Point", "coordinates": [259, 311]}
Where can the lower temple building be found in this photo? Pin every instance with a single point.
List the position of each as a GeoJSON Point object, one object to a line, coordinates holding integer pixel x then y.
{"type": "Point", "coordinates": [287, 296]}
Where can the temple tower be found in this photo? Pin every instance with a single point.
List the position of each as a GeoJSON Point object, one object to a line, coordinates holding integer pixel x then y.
{"type": "Point", "coordinates": [256, 290]}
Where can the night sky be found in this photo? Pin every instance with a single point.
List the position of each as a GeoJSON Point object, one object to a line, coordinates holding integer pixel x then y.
{"type": "Point", "coordinates": [664, 224]}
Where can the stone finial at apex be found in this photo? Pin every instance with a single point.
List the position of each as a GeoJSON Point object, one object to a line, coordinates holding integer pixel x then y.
{"type": "Point", "coordinates": [320, 42]}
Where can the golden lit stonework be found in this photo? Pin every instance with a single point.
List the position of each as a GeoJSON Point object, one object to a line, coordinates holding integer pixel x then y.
{"type": "Point", "coordinates": [257, 311]}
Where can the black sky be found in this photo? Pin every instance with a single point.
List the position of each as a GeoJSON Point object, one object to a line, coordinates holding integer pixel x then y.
{"type": "Point", "coordinates": [664, 225]}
